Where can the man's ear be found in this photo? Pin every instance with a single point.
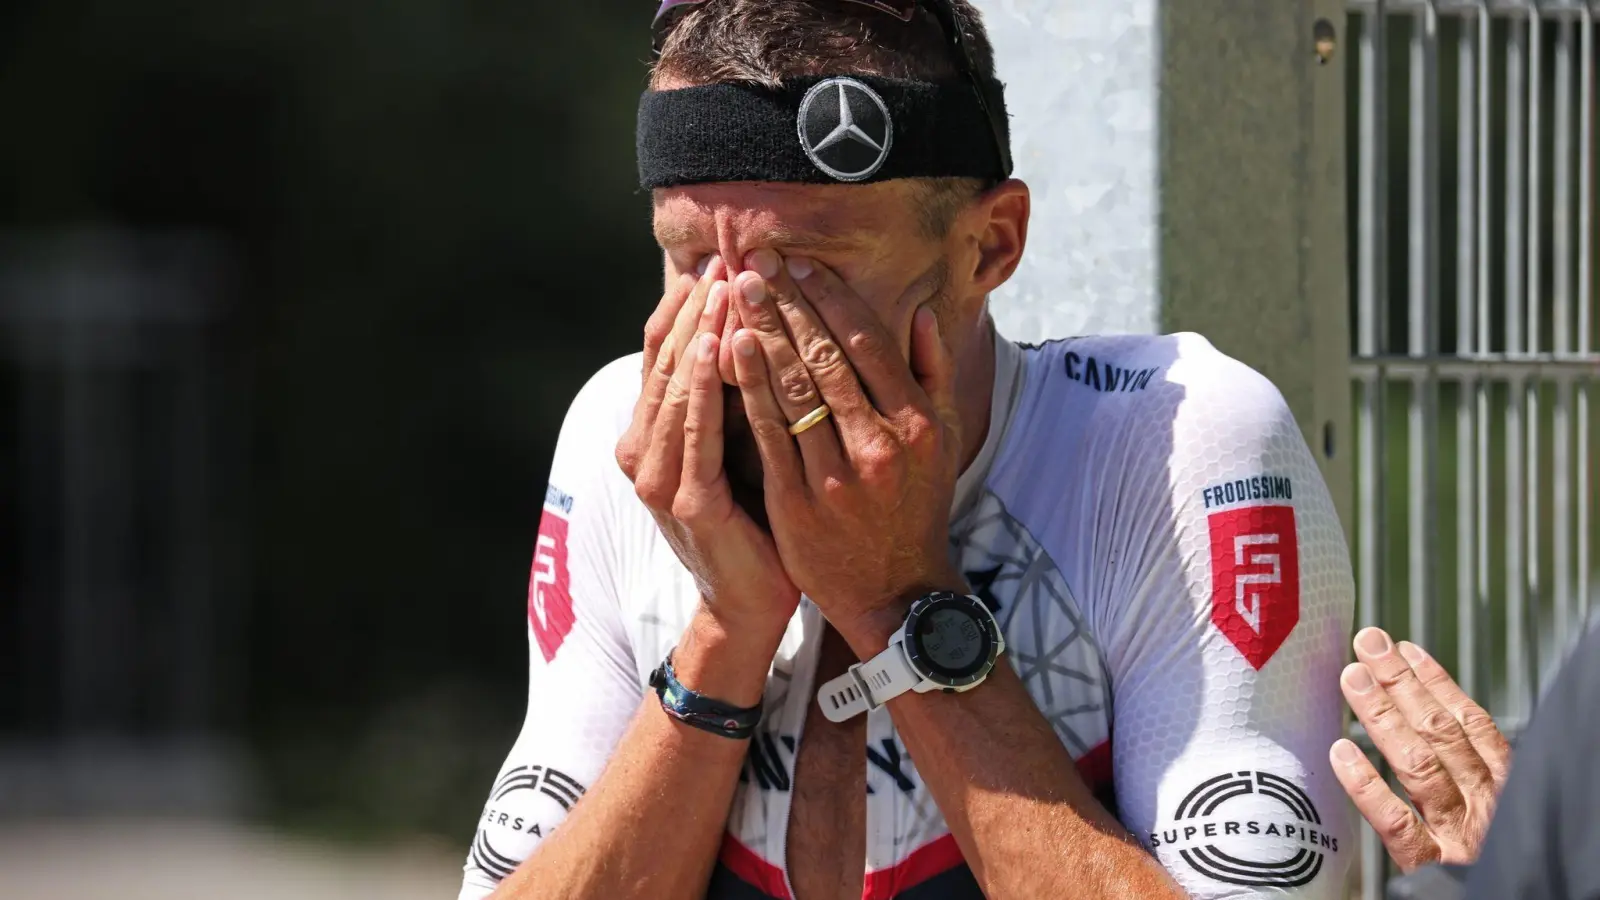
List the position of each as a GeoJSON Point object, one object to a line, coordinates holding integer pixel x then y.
{"type": "Point", "coordinates": [997, 227]}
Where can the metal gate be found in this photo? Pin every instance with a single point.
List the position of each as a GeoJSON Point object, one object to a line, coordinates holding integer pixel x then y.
{"type": "Point", "coordinates": [1474, 160]}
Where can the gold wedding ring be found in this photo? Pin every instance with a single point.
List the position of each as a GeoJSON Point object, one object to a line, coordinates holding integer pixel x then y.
{"type": "Point", "coordinates": [810, 420]}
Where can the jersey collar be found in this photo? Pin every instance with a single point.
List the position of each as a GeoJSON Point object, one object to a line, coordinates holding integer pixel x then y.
{"type": "Point", "coordinates": [1007, 390]}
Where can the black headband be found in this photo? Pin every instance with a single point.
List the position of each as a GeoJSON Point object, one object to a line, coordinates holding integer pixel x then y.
{"type": "Point", "coordinates": [818, 130]}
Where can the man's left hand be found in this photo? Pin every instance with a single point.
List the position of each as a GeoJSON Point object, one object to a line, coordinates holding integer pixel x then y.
{"type": "Point", "coordinates": [859, 504]}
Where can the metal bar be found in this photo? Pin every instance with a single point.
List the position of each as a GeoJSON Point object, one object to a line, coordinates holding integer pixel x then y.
{"type": "Point", "coordinates": [1535, 302]}
{"type": "Point", "coordinates": [1371, 310]}
{"type": "Point", "coordinates": [1586, 252]}
{"type": "Point", "coordinates": [1493, 367]}
{"type": "Point", "coordinates": [1485, 337]}
{"type": "Point", "coordinates": [1372, 297]}
{"type": "Point", "coordinates": [1561, 333]}
{"type": "Point", "coordinates": [1516, 611]}
{"type": "Point", "coordinates": [1485, 197]}
{"type": "Point", "coordinates": [1422, 217]}
{"type": "Point", "coordinates": [1516, 71]}
{"type": "Point", "coordinates": [1466, 426]}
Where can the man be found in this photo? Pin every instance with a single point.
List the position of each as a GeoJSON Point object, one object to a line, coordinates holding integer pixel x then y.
{"type": "Point", "coordinates": [764, 638]}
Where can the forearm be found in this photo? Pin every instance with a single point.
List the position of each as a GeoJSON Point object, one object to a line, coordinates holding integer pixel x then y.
{"type": "Point", "coordinates": [1026, 822]}
{"type": "Point", "coordinates": [652, 823]}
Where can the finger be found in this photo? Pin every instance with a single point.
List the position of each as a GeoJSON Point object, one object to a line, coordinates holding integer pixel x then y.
{"type": "Point", "coordinates": [683, 328]}
{"type": "Point", "coordinates": [660, 323]}
{"type": "Point", "coordinates": [1424, 713]}
{"type": "Point", "coordinates": [790, 381]}
{"type": "Point", "coordinates": [815, 344]}
{"type": "Point", "coordinates": [662, 470]}
{"type": "Point", "coordinates": [1416, 765]}
{"type": "Point", "coordinates": [934, 367]}
{"type": "Point", "coordinates": [872, 352]}
{"type": "Point", "coordinates": [689, 317]}
{"type": "Point", "coordinates": [1490, 744]}
{"type": "Point", "coordinates": [780, 458]}
{"type": "Point", "coordinates": [703, 494]}
{"type": "Point", "coordinates": [680, 304]}
{"type": "Point", "coordinates": [1403, 834]}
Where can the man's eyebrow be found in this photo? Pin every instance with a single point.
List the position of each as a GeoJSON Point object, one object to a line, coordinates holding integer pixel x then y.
{"type": "Point", "coordinates": [671, 236]}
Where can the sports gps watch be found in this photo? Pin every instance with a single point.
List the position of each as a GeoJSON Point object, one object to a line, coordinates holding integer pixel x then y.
{"type": "Point", "coordinates": [949, 643]}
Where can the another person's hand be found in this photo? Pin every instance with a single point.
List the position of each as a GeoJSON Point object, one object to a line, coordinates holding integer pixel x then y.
{"type": "Point", "coordinates": [1444, 749]}
{"type": "Point", "coordinates": [673, 454]}
{"type": "Point", "coordinates": [859, 503]}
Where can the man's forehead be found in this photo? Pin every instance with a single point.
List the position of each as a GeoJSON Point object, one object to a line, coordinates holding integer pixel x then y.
{"type": "Point", "coordinates": [815, 218]}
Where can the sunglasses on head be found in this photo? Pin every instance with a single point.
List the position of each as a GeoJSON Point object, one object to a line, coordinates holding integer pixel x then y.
{"type": "Point", "coordinates": [905, 10]}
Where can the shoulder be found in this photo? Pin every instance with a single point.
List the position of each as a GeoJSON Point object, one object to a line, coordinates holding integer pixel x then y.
{"type": "Point", "coordinates": [1134, 394]}
{"type": "Point", "coordinates": [1120, 374]}
{"type": "Point", "coordinates": [601, 410]}
{"type": "Point", "coordinates": [608, 397]}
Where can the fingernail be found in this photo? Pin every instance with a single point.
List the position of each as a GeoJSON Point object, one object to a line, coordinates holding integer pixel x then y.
{"type": "Point", "coordinates": [744, 343]}
{"type": "Point", "coordinates": [754, 291]}
{"type": "Point", "coordinates": [1413, 654]}
{"type": "Point", "coordinates": [705, 266]}
{"type": "Point", "coordinates": [1374, 641]}
{"type": "Point", "coordinates": [1357, 678]}
{"type": "Point", "coordinates": [800, 268]}
{"type": "Point", "coordinates": [1346, 752]}
{"type": "Point", "coordinates": [717, 297]}
{"type": "Point", "coordinates": [762, 262]}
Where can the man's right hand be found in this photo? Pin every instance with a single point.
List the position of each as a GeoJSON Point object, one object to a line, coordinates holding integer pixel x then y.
{"type": "Point", "coordinates": [673, 454]}
{"type": "Point", "coordinates": [1444, 749]}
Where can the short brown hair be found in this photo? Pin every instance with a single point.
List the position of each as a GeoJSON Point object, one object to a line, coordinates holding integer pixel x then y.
{"type": "Point", "coordinates": [763, 42]}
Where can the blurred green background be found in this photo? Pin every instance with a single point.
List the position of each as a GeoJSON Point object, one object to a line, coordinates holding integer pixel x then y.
{"type": "Point", "coordinates": [434, 236]}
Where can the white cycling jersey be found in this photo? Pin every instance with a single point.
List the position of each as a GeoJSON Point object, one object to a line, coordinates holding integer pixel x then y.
{"type": "Point", "coordinates": [1158, 545]}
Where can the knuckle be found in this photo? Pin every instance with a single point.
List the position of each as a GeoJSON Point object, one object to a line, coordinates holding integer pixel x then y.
{"type": "Point", "coordinates": [1391, 678]}
{"type": "Point", "coordinates": [1380, 713]}
{"type": "Point", "coordinates": [628, 459]}
{"type": "Point", "coordinates": [923, 434]}
{"type": "Point", "coordinates": [866, 343]}
{"type": "Point", "coordinates": [677, 393]}
{"type": "Point", "coordinates": [652, 491]}
{"type": "Point", "coordinates": [1437, 726]}
{"type": "Point", "coordinates": [823, 356]}
{"type": "Point", "coordinates": [688, 508]}
{"type": "Point", "coordinates": [1417, 763]}
{"type": "Point", "coordinates": [656, 329]}
{"type": "Point", "coordinates": [767, 430]}
{"type": "Point", "coordinates": [1477, 723]}
{"type": "Point", "coordinates": [878, 461]}
{"type": "Point", "coordinates": [795, 386]}
{"type": "Point", "coordinates": [1432, 675]}
{"type": "Point", "coordinates": [834, 486]}
{"type": "Point", "coordinates": [1394, 820]}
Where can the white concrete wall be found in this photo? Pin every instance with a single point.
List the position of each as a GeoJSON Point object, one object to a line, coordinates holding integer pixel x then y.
{"type": "Point", "coordinates": [1081, 80]}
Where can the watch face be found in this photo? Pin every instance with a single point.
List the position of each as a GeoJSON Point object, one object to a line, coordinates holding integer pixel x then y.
{"type": "Point", "coordinates": [950, 643]}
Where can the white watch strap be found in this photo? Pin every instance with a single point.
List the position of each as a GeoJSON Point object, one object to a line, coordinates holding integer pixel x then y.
{"type": "Point", "coordinates": [869, 685]}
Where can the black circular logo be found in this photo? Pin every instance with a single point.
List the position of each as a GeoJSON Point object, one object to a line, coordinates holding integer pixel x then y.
{"type": "Point", "coordinates": [1217, 836]}
{"type": "Point", "coordinates": [521, 809]}
{"type": "Point", "coordinates": [845, 129]}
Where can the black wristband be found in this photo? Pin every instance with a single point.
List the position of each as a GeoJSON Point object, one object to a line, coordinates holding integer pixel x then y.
{"type": "Point", "coordinates": [704, 713]}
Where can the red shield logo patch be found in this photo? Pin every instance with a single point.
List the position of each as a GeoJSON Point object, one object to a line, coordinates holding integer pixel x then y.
{"type": "Point", "coordinates": [1255, 578]}
{"type": "Point", "coordinates": [549, 597]}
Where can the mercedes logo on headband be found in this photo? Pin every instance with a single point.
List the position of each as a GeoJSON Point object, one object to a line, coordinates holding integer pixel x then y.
{"type": "Point", "coordinates": [845, 129]}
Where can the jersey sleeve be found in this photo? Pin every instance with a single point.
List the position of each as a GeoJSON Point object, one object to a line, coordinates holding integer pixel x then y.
{"type": "Point", "coordinates": [583, 685]}
{"type": "Point", "coordinates": [1226, 604]}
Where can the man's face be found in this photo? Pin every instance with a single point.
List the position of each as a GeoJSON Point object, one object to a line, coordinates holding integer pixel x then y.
{"type": "Point", "coordinates": [870, 235]}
